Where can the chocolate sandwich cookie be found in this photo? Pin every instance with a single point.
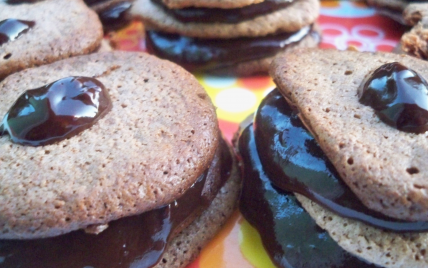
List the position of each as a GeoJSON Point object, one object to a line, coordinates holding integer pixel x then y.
{"type": "Point", "coordinates": [114, 14]}
{"type": "Point", "coordinates": [340, 145]}
{"type": "Point", "coordinates": [239, 40]}
{"type": "Point", "coordinates": [118, 144]}
{"type": "Point", "coordinates": [113, 159]}
{"type": "Point", "coordinates": [155, 179]}
{"type": "Point", "coordinates": [391, 8]}
{"type": "Point", "coordinates": [407, 12]}
{"type": "Point", "coordinates": [405, 171]}
{"type": "Point", "coordinates": [34, 33]}
{"type": "Point", "coordinates": [411, 13]}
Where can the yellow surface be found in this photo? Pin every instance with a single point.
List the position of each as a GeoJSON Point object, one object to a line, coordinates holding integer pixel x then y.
{"type": "Point", "coordinates": [223, 251]}
{"type": "Point", "coordinates": [252, 248]}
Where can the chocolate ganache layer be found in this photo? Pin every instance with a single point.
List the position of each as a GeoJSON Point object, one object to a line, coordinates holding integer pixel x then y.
{"type": "Point", "coordinates": [294, 162]}
{"type": "Point", "coordinates": [208, 54]}
{"type": "Point", "coordinates": [234, 15]}
{"type": "Point", "coordinates": [135, 241]}
{"type": "Point", "coordinates": [18, 2]}
{"type": "Point", "coordinates": [94, 2]}
{"type": "Point", "coordinates": [290, 236]}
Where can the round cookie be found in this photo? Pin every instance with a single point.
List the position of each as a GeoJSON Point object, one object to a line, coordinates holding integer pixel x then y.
{"type": "Point", "coordinates": [70, 29]}
{"type": "Point", "coordinates": [367, 158]}
{"type": "Point", "coordinates": [388, 249]}
{"type": "Point", "coordinates": [160, 135]}
{"type": "Point", "coordinates": [299, 14]}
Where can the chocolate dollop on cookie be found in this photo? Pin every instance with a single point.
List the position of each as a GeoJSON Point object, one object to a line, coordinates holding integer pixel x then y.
{"type": "Point", "coordinates": [11, 29]}
{"type": "Point", "coordinates": [399, 95]}
{"type": "Point", "coordinates": [56, 111]}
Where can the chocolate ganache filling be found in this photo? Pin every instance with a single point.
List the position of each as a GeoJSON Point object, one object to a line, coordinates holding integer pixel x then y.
{"type": "Point", "coordinates": [11, 29]}
{"type": "Point", "coordinates": [399, 97]}
{"type": "Point", "coordinates": [135, 241]}
{"type": "Point", "coordinates": [94, 2]}
{"type": "Point", "coordinates": [18, 2]}
{"type": "Point", "coordinates": [290, 236]}
{"type": "Point", "coordinates": [294, 162]}
{"type": "Point", "coordinates": [196, 54]}
{"type": "Point", "coordinates": [234, 15]}
{"type": "Point", "coordinates": [56, 111]}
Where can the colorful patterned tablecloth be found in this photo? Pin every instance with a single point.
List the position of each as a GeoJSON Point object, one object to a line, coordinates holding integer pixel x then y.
{"type": "Point", "coordinates": [344, 24]}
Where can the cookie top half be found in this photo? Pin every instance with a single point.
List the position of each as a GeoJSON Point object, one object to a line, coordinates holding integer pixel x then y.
{"type": "Point", "coordinates": [384, 167]}
{"type": "Point", "coordinates": [159, 137]}
{"type": "Point", "coordinates": [62, 28]}
{"type": "Point", "coordinates": [292, 18]}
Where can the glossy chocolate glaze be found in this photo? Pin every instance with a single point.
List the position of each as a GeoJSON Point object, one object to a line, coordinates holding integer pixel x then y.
{"type": "Point", "coordinates": [94, 2]}
{"type": "Point", "coordinates": [234, 15]}
{"type": "Point", "coordinates": [294, 162]}
{"type": "Point", "coordinates": [136, 241]}
{"type": "Point", "coordinates": [17, 2]}
{"type": "Point", "coordinates": [11, 29]}
{"type": "Point", "coordinates": [115, 16]}
{"type": "Point", "coordinates": [56, 111]}
{"type": "Point", "coordinates": [208, 54]}
{"type": "Point", "coordinates": [290, 236]}
{"type": "Point", "coordinates": [399, 96]}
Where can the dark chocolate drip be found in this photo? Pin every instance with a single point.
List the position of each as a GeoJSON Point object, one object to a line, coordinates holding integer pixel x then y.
{"type": "Point", "coordinates": [294, 162]}
{"type": "Point", "coordinates": [227, 161]}
{"type": "Point", "coordinates": [94, 2]}
{"type": "Point", "coordinates": [234, 15]}
{"type": "Point", "coordinates": [208, 54]}
{"type": "Point", "coordinates": [56, 111]}
{"type": "Point", "coordinates": [18, 2]}
{"type": "Point", "coordinates": [11, 29]}
{"type": "Point", "coordinates": [399, 96]}
{"type": "Point", "coordinates": [290, 236]}
{"type": "Point", "coordinates": [115, 16]}
{"type": "Point", "coordinates": [135, 241]}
